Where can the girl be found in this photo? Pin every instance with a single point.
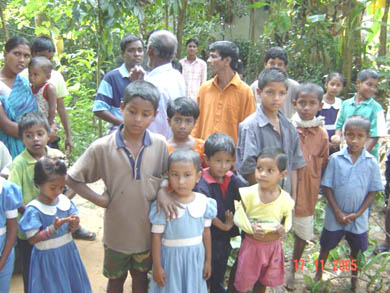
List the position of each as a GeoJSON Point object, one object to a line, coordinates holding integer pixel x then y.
{"type": "Point", "coordinates": [10, 201]}
{"type": "Point", "coordinates": [48, 222]}
{"type": "Point", "coordinates": [334, 84]}
{"type": "Point", "coordinates": [264, 214]}
{"type": "Point", "coordinates": [39, 72]}
{"type": "Point", "coordinates": [181, 262]}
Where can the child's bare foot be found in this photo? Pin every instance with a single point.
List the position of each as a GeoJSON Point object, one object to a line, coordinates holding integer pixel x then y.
{"type": "Point", "coordinates": [290, 281]}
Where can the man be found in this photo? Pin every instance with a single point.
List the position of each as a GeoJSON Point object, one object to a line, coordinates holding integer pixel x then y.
{"type": "Point", "coordinates": [225, 100]}
{"type": "Point", "coordinates": [194, 69]}
{"type": "Point", "coordinates": [110, 92]}
{"type": "Point", "coordinates": [161, 50]}
{"type": "Point", "coordinates": [276, 57]}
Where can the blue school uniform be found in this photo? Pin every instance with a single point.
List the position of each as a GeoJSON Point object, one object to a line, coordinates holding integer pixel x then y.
{"type": "Point", "coordinates": [182, 249]}
{"type": "Point", "coordinates": [10, 201]}
{"type": "Point", "coordinates": [330, 111]}
{"type": "Point", "coordinates": [55, 265]}
{"type": "Point", "coordinates": [350, 183]}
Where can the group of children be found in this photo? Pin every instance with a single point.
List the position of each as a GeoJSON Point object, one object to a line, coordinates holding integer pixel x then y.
{"type": "Point", "coordinates": [185, 234]}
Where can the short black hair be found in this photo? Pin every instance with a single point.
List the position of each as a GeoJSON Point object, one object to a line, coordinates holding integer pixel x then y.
{"type": "Point", "coordinates": [276, 154]}
{"type": "Point", "coordinates": [219, 142]}
{"type": "Point", "coordinates": [31, 119]}
{"type": "Point", "coordinates": [357, 121]}
{"type": "Point", "coordinates": [332, 75]}
{"type": "Point", "coordinates": [271, 75]}
{"type": "Point", "coordinates": [276, 52]}
{"type": "Point", "coordinates": [184, 106]}
{"type": "Point", "coordinates": [41, 62]}
{"type": "Point", "coordinates": [185, 155]}
{"type": "Point", "coordinates": [48, 169]}
{"type": "Point", "coordinates": [144, 90]}
{"type": "Point", "coordinates": [42, 43]}
{"type": "Point", "coordinates": [365, 74]}
{"type": "Point", "coordinates": [13, 42]}
{"type": "Point", "coordinates": [192, 40]}
{"type": "Point", "coordinates": [226, 49]}
{"type": "Point", "coordinates": [129, 39]}
{"type": "Point", "coordinates": [309, 87]}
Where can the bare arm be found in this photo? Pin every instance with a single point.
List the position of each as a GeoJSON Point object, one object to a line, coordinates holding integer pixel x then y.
{"type": "Point", "coordinates": [294, 184]}
{"type": "Point", "coordinates": [224, 226]}
{"type": "Point", "coordinates": [166, 203]}
{"type": "Point", "coordinates": [366, 203]}
{"type": "Point", "coordinates": [207, 247]}
{"type": "Point", "coordinates": [108, 116]}
{"type": "Point", "coordinates": [64, 120]}
{"type": "Point", "coordinates": [9, 127]}
{"type": "Point", "coordinates": [371, 142]}
{"type": "Point", "coordinates": [85, 191]}
{"type": "Point", "coordinates": [158, 272]}
{"type": "Point", "coordinates": [52, 101]}
{"type": "Point", "coordinates": [41, 235]}
{"type": "Point", "coordinates": [340, 216]}
{"type": "Point", "coordinates": [12, 232]}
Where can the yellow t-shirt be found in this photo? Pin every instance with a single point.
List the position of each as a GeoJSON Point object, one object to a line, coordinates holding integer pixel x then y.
{"type": "Point", "coordinates": [269, 215]}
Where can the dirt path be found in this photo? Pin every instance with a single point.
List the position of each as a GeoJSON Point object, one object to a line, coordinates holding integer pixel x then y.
{"type": "Point", "coordinates": [91, 252]}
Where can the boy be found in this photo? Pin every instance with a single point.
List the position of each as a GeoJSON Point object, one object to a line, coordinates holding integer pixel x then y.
{"type": "Point", "coordinates": [194, 69]}
{"type": "Point", "coordinates": [127, 237]}
{"type": "Point", "coordinates": [267, 127]}
{"type": "Point", "coordinates": [220, 183]}
{"type": "Point", "coordinates": [276, 57]}
{"type": "Point", "coordinates": [182, 115]}
{"type": "Point", "coordinates": [363, 104]}
{"type": "Point", "coordinates": [44, 46]}
{"type": "Point", "coordinates": [34, 130]}
{"type": "Point", "coordinates": [313, 141]}
{"type": "Point", "coordinates": [351, 181]}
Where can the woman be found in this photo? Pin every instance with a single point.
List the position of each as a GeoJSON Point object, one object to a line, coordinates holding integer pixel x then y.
{"type": "Point", "coordinates": [16, 97]}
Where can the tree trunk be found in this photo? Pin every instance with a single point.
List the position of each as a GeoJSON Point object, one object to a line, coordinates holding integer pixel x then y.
{"type": "Point", "coordinates": [99, 61]}
{"type": "Point", "coordinates": [383, 33]}
{"type": "Point", "coordinates": [3, 24]}
{"type": "Point", "coordinates": [180, 26]}
{"type": "Point", "coordinates": [166, 15]}
{"type": "Point", "coordinates": [211, 7]}
{"type": "Point", "coordinates": [252, 23]}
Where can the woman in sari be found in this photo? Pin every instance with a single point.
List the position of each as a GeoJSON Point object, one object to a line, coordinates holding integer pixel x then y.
{"type": "Point", "coordinates": [16, 98]}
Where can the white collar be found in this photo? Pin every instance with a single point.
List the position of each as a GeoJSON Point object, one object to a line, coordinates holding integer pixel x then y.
{"type": "Point", "coordinates": [196, 208]}
{"type": "Point", "coordinates": [63, 204]}
{"type": "Point", "coordinates": [336, 105]}
{"type": "Point", "coordinates": [298, 122]}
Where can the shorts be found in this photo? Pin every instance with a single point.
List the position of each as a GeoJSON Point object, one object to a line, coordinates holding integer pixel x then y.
{"type": "Point", "coordinates": [303, 227]}
{"type": "Point", "coordinates": [259, 261]}
{"type": "Point", "coordinates": [330, 239]}
{"type": "Point", "coordinates": [117, 264]}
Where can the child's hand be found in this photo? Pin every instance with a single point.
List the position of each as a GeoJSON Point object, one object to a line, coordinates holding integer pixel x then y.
{"type": "Point", "coordinates": [137, 73]}
{"type": "Point", "coordinates": [58, 222]}
{"type": "Point", "coordinates": [341, 218]}
{"type": "Point", "coordinates": [53, 132]}
{"type": "Point", "coordinates": [258, 232]}
{"type": "Point", "coordinates": [74, 222]}
{"type": "Point", "coordinates": [351, 217]}
{"type": "Point", "coordinates": [207, 270]}
{"type": "Point", "coordinates": [159, 276]}
{"type": "Point", "coordinates": [280, 230]}
{"type": "Point", "coordinates": [335, 140]}
{"type": "Point", "coordinates": [229, 220]}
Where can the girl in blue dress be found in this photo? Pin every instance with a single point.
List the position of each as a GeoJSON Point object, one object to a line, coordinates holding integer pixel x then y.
{"type": "Point", "coordinates": [10, 201]}
{"type": "Point", "coordinates": [181, 248]}
{"type": "Point", "coordinates": [48, 221]}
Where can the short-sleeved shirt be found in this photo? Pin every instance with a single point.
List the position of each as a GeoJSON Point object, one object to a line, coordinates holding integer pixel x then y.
{"type": "Point", "coordinates": [170, 84]}
{"type": "Point", "coordinates": [131, 183]}
{"type": "Point", "coordinates": [287, 108]}
{"type": "Point", "coordinates": [350, 183]}
{"type": "Point", "coordinates": [370, 109]}
{"type": "Point", "coordinates": [222, 110]}
{"type": "Point", "coordinates": [329, 112]}
{"type": "Point", "coordinates": [194, 73]}
{"type": "Point", "coordinates": [57, 80]}
{"type": "Point", "coordinates": [256, 133]}
{"type": "Point", "coordinates": [22, 174]}
{"type": "Point", "coordinates": [110, 91]}
{"type": "Point", "coordinates": [314, 145]}
{"type": "Point", "coordinates": [225, 194]}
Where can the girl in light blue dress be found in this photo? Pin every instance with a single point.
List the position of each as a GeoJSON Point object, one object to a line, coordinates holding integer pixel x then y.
{"type": "Point", "coordinates": [181, 248]}
{"type": "Point", "coordinates": [48, 221]}
{"type": "Point", "coordinates": [10, 201]}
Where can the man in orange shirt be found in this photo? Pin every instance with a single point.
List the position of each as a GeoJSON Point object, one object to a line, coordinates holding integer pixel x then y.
{"type": "Point", "coordinates": [225, 100]}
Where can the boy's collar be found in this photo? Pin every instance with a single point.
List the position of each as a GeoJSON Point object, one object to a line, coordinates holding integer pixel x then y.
{"type": "Point", "coordinates": [367, 101]}
{"type": "Point", "coordinates": [210, 179]}
{"type": "Point", "coordinates": [121, 144]}
{"type": "Point", "coordinates": [298, 122]}
{"type": "Point", "coordinates": [364, 154]}
{"type": "Point", "coordinates": [263, 119]}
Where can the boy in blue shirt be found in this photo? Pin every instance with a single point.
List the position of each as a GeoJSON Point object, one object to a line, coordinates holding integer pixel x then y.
{"type": "Point", "coordinates": [363, 104]}
{"type": "Point", "coordinates": [351, 180]}
{"type": "Point", "coordinates": [219, 183]}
